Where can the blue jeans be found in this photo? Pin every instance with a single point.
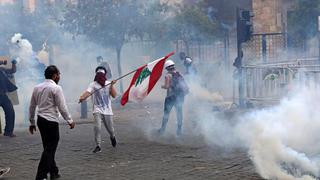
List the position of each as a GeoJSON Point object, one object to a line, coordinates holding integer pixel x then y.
{"type": "Point", "coordinates": [7, 107]}
{"type": "Point", "coordinates": [169, 102]}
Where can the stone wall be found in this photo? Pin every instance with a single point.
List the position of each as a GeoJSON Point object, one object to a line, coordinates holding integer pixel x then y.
{"type": "Point", "coordinates": [268, 16]}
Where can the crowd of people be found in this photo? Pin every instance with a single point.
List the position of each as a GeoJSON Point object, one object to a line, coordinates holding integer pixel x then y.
{"type": "Point", "coordinates": [48, 102]}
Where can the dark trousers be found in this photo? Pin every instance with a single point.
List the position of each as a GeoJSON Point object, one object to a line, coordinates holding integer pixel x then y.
{"type": "Point", "coordinates": [7, 107]}
{"type": "Point", "coordinates": [50, 137]}
{"type": "Point", "coordinates": [169, 102]}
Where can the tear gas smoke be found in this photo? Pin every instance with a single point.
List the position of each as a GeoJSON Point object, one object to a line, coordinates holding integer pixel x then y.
{"type": "Point", "coordinates": [282, 141]}
{"type": "Point", "coordinates": [22, 50]}
{"type": "Point", "coordinates": [28, 73]}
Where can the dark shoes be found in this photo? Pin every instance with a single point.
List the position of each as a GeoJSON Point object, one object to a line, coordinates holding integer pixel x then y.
{"type": "Point", "coordinates": [10, 135]}
{"type": "Point", "coordinates": [113, 141]}
{"type": "Point", "coordinates": [55, 176]}
{"type": "Point", "coordinates": [97, 149]}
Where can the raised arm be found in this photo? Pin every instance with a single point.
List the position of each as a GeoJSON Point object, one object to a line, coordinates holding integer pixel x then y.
{"type": "Point", "coordinates": [13, 68]}
{"type": "Point", "coordinates": [113, 91]}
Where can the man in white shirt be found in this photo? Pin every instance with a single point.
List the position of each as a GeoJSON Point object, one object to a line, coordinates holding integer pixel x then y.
{"type": "Point", "coordinates": [49, 99]}
{"type": "Point", "coordinates": [101, 91]}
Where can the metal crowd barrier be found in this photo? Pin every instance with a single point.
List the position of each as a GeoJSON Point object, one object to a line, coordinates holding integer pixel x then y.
{"type": "Point", "coordinates": [271, 81]}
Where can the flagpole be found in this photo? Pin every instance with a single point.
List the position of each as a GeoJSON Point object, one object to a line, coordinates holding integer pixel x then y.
{"type": "Point", "coordinates": [114, 80]}
{"type": "Point", "coordinates": [111, 82]}
{"type": "Point", "coordinates": [170, 54]}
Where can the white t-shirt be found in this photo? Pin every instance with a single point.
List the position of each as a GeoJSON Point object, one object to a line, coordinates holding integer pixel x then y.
{"type": "Point", "coordinates": [101, 99]}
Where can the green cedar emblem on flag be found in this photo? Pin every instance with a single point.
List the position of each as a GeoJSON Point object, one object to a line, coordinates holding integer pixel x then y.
{"type": "Point", "coordinates": [144, 74]}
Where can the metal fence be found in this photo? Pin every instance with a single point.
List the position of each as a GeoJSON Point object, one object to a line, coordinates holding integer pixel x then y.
{"type": "Point", "coordinates": [271, 81]}
{"type": "Point", "coordinates": [265, 48]}
{"type": "Point", "coordinates": [206, 52]}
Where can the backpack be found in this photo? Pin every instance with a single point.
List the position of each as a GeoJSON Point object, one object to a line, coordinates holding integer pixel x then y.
{"type": "Point", "coordinates": [179, 85]}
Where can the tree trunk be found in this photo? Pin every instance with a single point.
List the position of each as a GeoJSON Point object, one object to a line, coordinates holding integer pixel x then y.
{"type": "Point", "coordinates": [119, 68]}
{"type": "Point", "coordinates": [187, 47]}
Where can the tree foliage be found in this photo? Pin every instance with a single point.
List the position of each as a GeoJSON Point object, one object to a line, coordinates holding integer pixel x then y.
{"type": "Point", "coordinates": [112, 23]}
{"type": "Point", "coordinates": [191, 24]}
{"type": "Point", "coordinates": [109, 23]}
{"type": "Point", "coordinates": [302, 20]}
{"type": "Point", "coordinates": [38, 27]}
{"type": "Point", "coordinates": [9, 18]}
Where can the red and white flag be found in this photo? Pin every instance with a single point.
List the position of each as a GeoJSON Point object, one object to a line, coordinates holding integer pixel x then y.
{"type": "Point", "coordinates": [144, 79]}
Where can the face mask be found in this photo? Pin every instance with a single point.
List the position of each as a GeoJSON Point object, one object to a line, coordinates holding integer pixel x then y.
{"type": "Point", "coordinates": [100, 78]}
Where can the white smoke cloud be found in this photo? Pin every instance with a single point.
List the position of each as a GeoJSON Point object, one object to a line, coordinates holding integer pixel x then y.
{"type": "Point", "coordinates": [27, 76]}
{"type": "Point", "coordinates": [23, 50]}
{"type": "Point", "coordinates": [282, 141]}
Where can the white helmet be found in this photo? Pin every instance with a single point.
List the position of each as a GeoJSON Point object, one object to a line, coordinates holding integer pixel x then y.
{"type": "Point", "coordinates": [168, 63]}
{"type": "Point", "coordinates": [188, 60]}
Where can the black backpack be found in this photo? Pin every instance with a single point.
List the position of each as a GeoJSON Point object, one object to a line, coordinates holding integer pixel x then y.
{"type": "Point", "coordinates": [179, 85]}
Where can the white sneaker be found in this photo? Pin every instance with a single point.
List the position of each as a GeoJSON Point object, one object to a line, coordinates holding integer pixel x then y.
{"type": "Point", "coordinates": [4, 171]}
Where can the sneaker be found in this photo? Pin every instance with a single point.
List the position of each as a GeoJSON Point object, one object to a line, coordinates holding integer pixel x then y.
{"type": "Point", "coordinates": [4, 171]}
{"type": "Point", "coordinates": [113, 141]}
{"type": "Point", "coordinates": [97, 149]}
{"type": "Point", "coordinates": [56, 176]}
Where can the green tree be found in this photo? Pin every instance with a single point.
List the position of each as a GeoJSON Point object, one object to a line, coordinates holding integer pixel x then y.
{"type": "Point", "coordinates": [302, 21]}
{"type": "Point", "coordinates": [9, 17]}
{"type": "Point", "coordinates": [107, 22]}
{"type": "Point", "coordinates": [191, 24]}
{"type": "Point", "coordinates": [38, 27]}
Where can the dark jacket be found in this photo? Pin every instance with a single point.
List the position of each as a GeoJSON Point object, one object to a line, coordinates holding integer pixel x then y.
{"type": "Point", "coordinates": [5, 84]}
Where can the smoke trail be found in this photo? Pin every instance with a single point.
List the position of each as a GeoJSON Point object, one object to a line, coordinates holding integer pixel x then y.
{"type": "Point", "coordinates": [28, 73]}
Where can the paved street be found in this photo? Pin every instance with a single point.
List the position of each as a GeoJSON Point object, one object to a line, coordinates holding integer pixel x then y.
{"type": "Point", "coordinates": [140, 154]}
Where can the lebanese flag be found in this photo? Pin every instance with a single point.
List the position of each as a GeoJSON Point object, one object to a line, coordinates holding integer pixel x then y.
{"type": "Point", "coordinates": [144, 79]}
